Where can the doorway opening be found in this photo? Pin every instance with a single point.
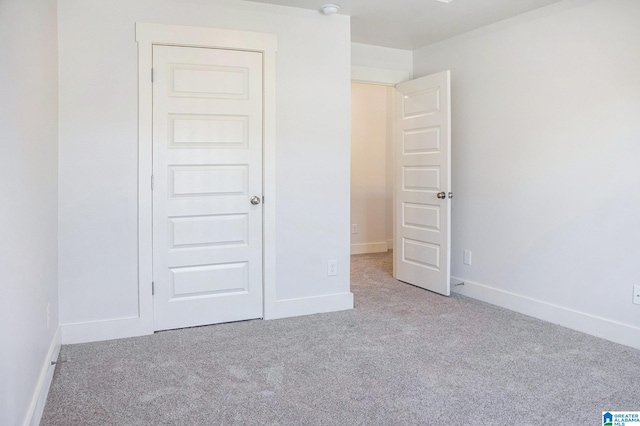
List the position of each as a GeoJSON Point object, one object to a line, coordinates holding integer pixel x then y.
{"type": "Point", "coordinates": [372, 169]}
{"type": "Point", "coordinates": [372, 177]}
{"type": "Point", "coordinates": [401, 177]}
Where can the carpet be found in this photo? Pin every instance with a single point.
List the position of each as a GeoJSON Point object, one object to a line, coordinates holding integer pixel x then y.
{"type": "Point", "coordinates": [403, 356]}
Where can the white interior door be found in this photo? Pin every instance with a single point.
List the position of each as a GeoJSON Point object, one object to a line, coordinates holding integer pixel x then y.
{"type": "Point", "coordinates": [422, 183]}
{"type": "Point", "coordinates": [207, 171]}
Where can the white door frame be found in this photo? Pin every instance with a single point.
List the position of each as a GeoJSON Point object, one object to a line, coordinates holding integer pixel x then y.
{"type": "Point", "coordinates": [147, 35]}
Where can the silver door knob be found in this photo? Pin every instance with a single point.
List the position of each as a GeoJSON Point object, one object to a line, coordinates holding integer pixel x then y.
{"type": "Point", "coordinates": [441, 195]}
{"type": "Point", "coordinates": [255, 200]}
{"type": "Point", "coordinates": [451, 195]}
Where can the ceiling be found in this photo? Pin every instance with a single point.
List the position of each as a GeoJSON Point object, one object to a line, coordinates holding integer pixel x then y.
{"type": "Point", "coordinates": [411, 24]}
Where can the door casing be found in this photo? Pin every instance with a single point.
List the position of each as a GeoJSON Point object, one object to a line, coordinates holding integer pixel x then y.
{"type": "Point", "coordinates": [147, 35]}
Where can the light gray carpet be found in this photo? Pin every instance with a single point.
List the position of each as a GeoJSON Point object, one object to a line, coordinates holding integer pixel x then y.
{"type": "Point", "coordinates": [404, 356]}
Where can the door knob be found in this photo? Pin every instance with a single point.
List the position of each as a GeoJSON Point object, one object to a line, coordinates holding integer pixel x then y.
{"type": "Point", "coordinates": [442, 195]}
{"type": "Point", "coordinates": [255, 200]}
{"type": "Point", "coordinates": [451, 195]}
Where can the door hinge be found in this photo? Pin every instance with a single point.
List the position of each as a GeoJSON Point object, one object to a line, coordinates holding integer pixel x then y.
{"type": "Point", "coordinates": [152, 182]}
{"type": "Point", "coordinates": [153, 288]}
{"type": "Point", "coordinates": [152, 75]}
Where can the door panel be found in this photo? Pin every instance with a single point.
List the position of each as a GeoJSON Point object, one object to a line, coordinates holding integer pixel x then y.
{"type": "Point", "coordinates": [423, 169]}
{"type": "Point", "coordinates": [209, 131]}
{"type": "Point", "coordinates": [207, 164]}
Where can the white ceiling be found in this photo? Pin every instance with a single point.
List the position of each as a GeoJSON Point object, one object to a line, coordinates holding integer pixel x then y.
{"type": "Point", "coordinates": [411, 24]}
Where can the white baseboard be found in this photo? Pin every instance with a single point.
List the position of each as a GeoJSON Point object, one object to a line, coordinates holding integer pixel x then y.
{"type": "Point", "coordinates": [613, 331]}
{"type": "Point", "coordinates": [39, 398]}
{"type": "Point", "coordinates": [311, 305]}
{"type": "Point", "coordinates": [132, 327]}
{"type": "Point", "coordinates": [369, 248]}
{"type": "Point", "coordinates": [96, 331]}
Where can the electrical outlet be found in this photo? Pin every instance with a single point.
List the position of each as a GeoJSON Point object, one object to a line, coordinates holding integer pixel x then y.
{"type": "Point", "coordinates": [48, 314]}
{"type": "Point", "coordinates": [636, 294]}
{"type": "Point", "coordinates": [467, 257]}
{"type": "Point", "coordinates": [354, 228]}
{"type": "Point", "coordinates": [332, 267]}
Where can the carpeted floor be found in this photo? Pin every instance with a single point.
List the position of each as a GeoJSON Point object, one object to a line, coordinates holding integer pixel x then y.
{"type": "Point", "coordinates": [403, 356]}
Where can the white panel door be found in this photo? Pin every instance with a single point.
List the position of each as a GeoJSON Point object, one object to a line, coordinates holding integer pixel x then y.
{"type": "Point", "coordinates": [423, 179]}
{"type": "Point", "coordinates": [207, 167]}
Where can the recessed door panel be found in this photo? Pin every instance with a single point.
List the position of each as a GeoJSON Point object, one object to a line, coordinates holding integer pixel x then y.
{"type": "Point", "coordinates": [421, 141]}
{"type": "Point", "coordinates": [204, 81]}
{"type": "Point", "coordinates": [210, 280]}
{"type": "Point", "coordinates": [209, 180]}
{"type": "Point", "coordinates": [421, 254]}
{"type": "Point", "coordinates": [209, 230]}
{"type": "Point", "coordinates": [421, 178]}
{"type": "Point", "coordinates": [209, 131]}
{"type": "Point", "coordinates": [420, 216]}
{"type": "Point", "coordinates": [422, 102]}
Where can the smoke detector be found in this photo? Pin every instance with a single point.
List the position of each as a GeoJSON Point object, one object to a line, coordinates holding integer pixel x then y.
{"type": "Point", "coordinates": [330, 8]}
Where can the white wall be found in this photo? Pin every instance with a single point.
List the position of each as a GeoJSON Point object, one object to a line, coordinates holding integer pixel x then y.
{"type": "Point", "coordinates": [380, 65]}
{"type": "Point", "coordinates": [366, 55]}
{"type": "Point", "coordinates": [98, 147]}
{"type": "Point", "coordinates": [371, 122]}
{"type": "Point", "coordinates": [546, 149]}
{"type": "Point", "coordinates": [28, 190]}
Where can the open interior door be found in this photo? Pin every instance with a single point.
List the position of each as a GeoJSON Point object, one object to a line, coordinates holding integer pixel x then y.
{"type": "Point", "coordinates": [422, 194]}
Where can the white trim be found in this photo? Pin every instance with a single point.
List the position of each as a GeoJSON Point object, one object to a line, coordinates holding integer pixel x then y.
{"type": "Point", "coordinates": [269, 182]}
{"type": "Point", "coordinates": [617, 332]}
{"type": "Point", "coordinates": [39, 398]}
{"type": "Point", "coordinates": [95, 331]}
{"type": "Point", "coordinates": [181, 35]}
{"type": "Point", "coordinates": [311, 305]}
{"type": "Point", "coordinates": [145, 206]}
{"type": "Point", "coordinates": [369, 248]}
{"type": "Point", "coordinates": [379, 76]}
{"type": "Point", "coordinates": [146, 35]}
